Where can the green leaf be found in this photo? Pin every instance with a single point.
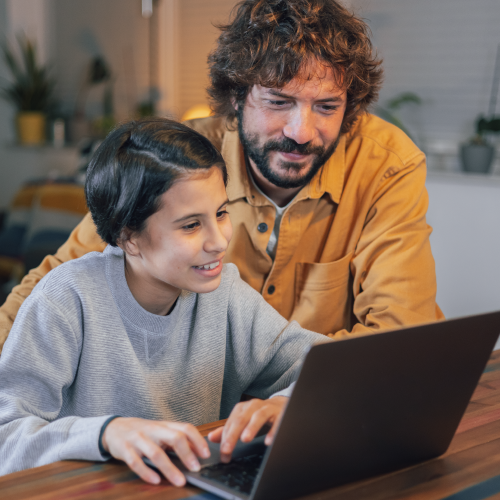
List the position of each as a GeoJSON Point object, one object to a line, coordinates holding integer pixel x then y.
{"type": "Point", "coordinates": [32, 89]}
{"type": "Point", "coordinates": [391, 118]}
{"type": "Point", "coordinates": [404, 98]}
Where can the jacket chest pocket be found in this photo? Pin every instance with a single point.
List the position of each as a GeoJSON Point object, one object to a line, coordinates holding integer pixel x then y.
{"type": "Point", "coordinates": [323, 295]}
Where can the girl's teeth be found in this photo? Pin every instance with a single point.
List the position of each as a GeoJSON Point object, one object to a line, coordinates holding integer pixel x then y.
{"type": "Point", "coordinates": [209, 266]}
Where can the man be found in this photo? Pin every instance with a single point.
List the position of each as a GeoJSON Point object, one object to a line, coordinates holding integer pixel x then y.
{"type": "Point", "coordinates": [327, 201]}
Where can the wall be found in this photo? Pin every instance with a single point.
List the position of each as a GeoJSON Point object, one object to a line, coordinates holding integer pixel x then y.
{"type": "Point", "coordinates": [442, 50]}
{"type": "Point", "coordinates": [114, 29]}
{"type": "Point", "coordinates": [33, 18]}
{"type": "Point", "coordinates": [463, 211]}
{"type": "Point", "coordinates": [197, 38]}
{"type": "Point", "coordinates": [6, 111]}
{"type": "Point", "coordinates": [68, 34]}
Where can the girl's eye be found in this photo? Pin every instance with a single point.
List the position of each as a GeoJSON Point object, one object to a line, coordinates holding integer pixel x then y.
{"type": "Point", "coordinates": [221, 214]}
{"type": "Point", "coordinates": [191, 226]}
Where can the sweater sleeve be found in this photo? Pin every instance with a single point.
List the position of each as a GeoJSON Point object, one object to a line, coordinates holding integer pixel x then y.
{"type": "Point", "coordinates": [265, 351]}
{"type": "Point", "coordinates": [37, 369]}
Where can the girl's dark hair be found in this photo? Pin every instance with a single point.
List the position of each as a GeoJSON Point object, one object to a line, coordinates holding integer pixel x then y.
{"type": "Point", "coordinates": [138, 162]}
{"type": "Point", "coordinates": [269, 42]}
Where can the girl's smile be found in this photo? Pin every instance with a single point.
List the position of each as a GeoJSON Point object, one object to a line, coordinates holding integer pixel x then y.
{"type": "Point", "coordinates": [211, 269]}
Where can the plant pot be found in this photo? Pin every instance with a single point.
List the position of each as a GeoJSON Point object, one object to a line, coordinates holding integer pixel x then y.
{"type": "Point", "coordinates": [477, 157]}
{"type": "Point", "coordinates": [31, 127]}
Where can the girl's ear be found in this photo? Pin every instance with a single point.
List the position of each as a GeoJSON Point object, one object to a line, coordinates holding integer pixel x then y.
{"type": "Point", "coordinates": [128, 242]}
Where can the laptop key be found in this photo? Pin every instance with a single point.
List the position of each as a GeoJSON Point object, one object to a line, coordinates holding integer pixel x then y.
{"type": "Point", "coordinates": [239, 474]}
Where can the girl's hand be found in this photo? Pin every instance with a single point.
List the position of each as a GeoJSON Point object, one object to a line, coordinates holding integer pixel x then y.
{"type": "Point", "coordinates": [130, 439]}
{"type": "Point", "coordinates": [245, 422]}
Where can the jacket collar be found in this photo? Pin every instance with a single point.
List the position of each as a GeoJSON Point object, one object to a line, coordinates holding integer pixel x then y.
{"type": "Point", "coordinates": [330, 179]}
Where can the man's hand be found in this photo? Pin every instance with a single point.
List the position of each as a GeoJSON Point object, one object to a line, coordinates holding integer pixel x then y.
{"type": "Point", "coordinates": [130, 439]}
{"type": "Point", "coordinates": [245, 422]}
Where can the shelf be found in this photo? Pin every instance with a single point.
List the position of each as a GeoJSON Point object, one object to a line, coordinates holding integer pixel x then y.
{"type": "Point", "coordinates": [464, 178]}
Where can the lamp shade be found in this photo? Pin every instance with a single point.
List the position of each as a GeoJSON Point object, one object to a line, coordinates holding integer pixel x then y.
{"type": "Point", "coordinates": [198, 111]}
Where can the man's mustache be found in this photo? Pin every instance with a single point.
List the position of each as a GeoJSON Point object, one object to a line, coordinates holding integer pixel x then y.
{"type": "Point", "coordinates": [287, 145]}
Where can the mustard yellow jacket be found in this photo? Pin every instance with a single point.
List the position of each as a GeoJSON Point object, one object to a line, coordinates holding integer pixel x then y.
{"type": "Point", "coordinates": [353, 253]}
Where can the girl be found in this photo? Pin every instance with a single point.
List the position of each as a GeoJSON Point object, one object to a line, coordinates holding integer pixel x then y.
{"type": "Point", "coordinates": [122, 353]}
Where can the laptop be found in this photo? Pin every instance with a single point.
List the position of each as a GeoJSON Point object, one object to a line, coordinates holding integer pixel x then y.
{"type": "Point", "coordinates": [362, 407]}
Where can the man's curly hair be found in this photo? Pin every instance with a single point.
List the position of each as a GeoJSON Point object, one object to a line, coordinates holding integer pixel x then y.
{"type": "Point", "coordinates": [269, 42]}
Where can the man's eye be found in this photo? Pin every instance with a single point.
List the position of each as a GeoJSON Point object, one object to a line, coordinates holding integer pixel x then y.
{"type": "Point", "coordinates": [328, 109]}
{"type": "Point", "coordinates": [278, 104]}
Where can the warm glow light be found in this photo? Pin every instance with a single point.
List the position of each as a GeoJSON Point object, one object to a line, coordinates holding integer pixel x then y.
{"type": "Point", "coordinates": [198, 111]}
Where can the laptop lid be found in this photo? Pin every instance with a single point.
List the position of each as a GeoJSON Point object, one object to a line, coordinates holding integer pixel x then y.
{"type": "Point", "coordinates": [373, 404]}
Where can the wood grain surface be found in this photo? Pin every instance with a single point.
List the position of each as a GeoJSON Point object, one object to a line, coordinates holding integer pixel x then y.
{"type": "Point", "coordinates": [469, 470]}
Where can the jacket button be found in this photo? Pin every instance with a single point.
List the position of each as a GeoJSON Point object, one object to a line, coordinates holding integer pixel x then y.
{"type": "Point", "coordinates": [271, 289]}
{"type": "Point", "coordinates": [262, 227]}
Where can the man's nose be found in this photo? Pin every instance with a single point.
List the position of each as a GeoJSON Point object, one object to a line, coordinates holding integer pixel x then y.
{"type": "Point", "coordinates": [300, 125]}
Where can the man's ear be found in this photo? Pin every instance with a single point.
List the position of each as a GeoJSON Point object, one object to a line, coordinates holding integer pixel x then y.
{"type": "Point", "coordinates": [234, 103]}
{"type": "Point", "coordinates": [128, 242]}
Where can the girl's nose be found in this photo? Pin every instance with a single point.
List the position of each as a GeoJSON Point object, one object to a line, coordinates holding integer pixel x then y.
{"type": "Point", "coordinates": [216, 242]}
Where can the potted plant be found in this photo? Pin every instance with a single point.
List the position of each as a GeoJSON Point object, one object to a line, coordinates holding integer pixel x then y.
{"type": "Point", "coordinates": [477, 155]}
{"type": "Point", "coordinates": [390, 111]}
{"type": "Point", "coordinates": [30, 92]}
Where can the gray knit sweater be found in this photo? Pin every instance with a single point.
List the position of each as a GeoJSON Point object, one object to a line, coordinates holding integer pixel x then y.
{"type": "Point", "coordinates": [82, 349]}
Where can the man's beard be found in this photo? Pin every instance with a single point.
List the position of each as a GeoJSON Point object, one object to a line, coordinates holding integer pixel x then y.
{"type": "Point", "coordinates": [260, 156]}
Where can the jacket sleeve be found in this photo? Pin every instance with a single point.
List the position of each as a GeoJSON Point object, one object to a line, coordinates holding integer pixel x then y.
{"type": "Point", "coordinates": [37, 367]}
{"type": "Point", "coordinates": [83, 239]}
{"type": "Point", "coordinates": [394, 278]}
{"type": "Point", "coordinates": [265, 351]}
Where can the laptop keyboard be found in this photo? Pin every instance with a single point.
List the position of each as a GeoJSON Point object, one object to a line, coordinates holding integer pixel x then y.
{"type": "Point", "coordinates": [239, 474]}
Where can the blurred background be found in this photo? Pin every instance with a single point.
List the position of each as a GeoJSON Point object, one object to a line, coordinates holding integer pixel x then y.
{"type": "Point", "coordinates": [97, 62]}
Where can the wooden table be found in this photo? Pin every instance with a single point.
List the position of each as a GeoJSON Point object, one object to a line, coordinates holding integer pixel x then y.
{"type": "Point", "coordinates": [469, 470]}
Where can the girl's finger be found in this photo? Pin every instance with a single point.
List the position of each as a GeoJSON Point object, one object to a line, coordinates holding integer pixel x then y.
{"type": "Point", "coordinates": [194, 437]}
{"type": "Point", "coordinates": [235, 424]}
{"type": "Point", "coordinates": [161, 461]}
{"type": "Point", "coordinates": [257, 421]}
{"type": "Point", "coordinates": [216, 435]}
{"type": "Point", "coordinates": [179, 443]}
{"type": "Point", "coordinates": [130, 456]}
{"type": "Point", "coordinates": [272, 432]}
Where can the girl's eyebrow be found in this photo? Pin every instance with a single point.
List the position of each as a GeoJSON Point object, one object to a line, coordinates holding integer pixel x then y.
{"type": "Point", "coordinates": [198, 215]}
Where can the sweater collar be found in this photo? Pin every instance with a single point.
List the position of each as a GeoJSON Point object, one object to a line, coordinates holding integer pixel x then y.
{"type": "Point", "coordinates": [129, 308]}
